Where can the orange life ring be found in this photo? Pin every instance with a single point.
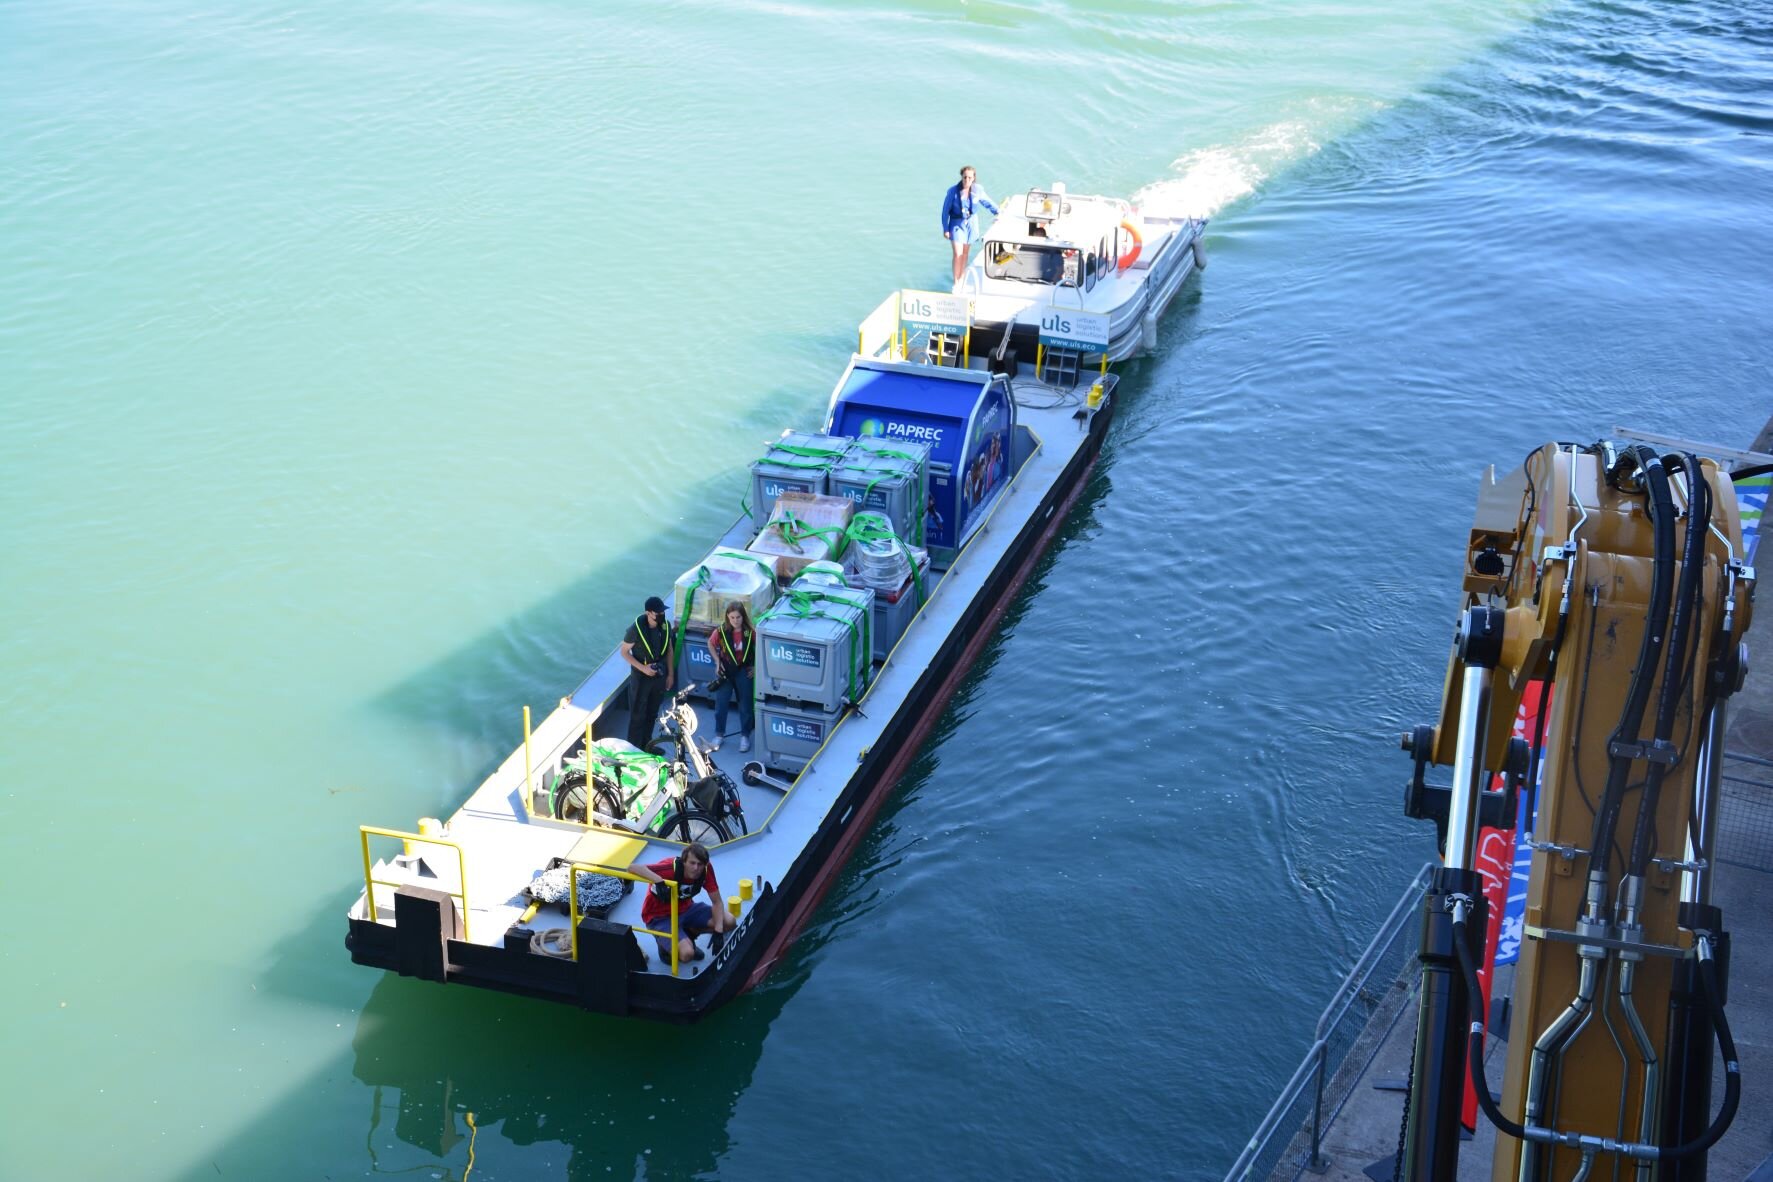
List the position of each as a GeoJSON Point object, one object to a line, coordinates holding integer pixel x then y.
{"type": "Point", "coordinates": [1132, 255]}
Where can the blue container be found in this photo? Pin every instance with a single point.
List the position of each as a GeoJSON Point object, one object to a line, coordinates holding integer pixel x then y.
{"type": "Point", "coordinates": [965, 417]}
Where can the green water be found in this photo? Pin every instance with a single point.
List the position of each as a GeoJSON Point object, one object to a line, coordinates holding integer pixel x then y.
{"type": "Point", "coordinates": [361, 368]}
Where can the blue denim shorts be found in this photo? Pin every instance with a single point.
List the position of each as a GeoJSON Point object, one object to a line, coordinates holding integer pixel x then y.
{"type": "Point", "coordinates": [691, 921]}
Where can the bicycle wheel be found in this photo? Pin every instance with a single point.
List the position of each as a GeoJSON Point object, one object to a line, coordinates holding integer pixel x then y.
{"type": "Point", "coordinates": [569, 796]}
{"type": "Point", "coordinates": [696, 825]}
{"type": "Point", "coordinates": [605, 801]}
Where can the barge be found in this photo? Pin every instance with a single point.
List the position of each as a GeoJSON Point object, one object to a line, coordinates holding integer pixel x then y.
{"type": "Point", "coordinates": [849, 683]}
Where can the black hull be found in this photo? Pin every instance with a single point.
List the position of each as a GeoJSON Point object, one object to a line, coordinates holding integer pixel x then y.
{"type": "Point", "coordinates": [782, 909]}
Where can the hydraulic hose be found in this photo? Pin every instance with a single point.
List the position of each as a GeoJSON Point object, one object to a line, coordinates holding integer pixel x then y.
{"type": "Point", "coordinates": [1692, 566]}
{"type": "Point", "coordinates": [1582, 1142]}
{"type": "Point", "coordinates": [1631, 718]}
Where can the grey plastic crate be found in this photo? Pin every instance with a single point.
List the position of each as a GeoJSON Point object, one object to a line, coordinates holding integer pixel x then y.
{"type": "Point", "coordinates": [891, 619]}
{"type": "Point", "coordinates": [813, 655]}
{"type": "Point", "coordinates": [783, 470]}
{"type": "Point", "coordinates": [695, 664]}
{"type": "Point", "coordinates": [894, 485]}
{"type": "Point", "coordinates": [862, 597]}
{"type": "Point", "coordinates": [789, 734]}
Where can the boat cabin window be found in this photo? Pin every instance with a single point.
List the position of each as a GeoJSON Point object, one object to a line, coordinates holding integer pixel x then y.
{"type": "Point", "coordinates": [1089, 272]}
{"type": "Point", "coordinates": [1032, 264]}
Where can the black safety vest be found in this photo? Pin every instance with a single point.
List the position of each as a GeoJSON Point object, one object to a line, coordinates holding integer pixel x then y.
{"type": "Point", "coordinates": [741, 659]}
{"type": "Point", "coordinates": [653, 656]}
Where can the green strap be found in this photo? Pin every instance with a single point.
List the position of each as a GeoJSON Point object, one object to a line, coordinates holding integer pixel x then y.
{"type": "Point", "coordinates": [795, 533]}
{"type": "Point", "coordinates": [797, 450]}
{"type": "Point", "coordinates": [874, 527]}
{"type": "Point", "coordinates": [810, 465]}
{"type": "Point", "coordinates": [803, 602]}
{"type": "Point", "coordinates": [769, 572]}
{"type": "Point", "coordinates": [920, 482]}
{"type": "Point", "coordinates": [892, 453]}
{"type": "Point", "coordinates": [703, 577]}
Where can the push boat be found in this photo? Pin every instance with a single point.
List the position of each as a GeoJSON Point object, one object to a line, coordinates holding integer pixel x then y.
{"type": "Point", "coordinates": [1052, 256]}
{"type": "Point", "coordinates": [960, 467]}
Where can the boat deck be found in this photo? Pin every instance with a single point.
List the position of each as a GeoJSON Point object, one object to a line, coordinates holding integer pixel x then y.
{"type": "Point", "coordinates": [505, 847]}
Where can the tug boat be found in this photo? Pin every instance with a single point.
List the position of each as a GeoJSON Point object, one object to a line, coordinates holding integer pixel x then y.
{"type": "Point", "coordinates": [989, 459]}
{"type": "Point", "coordinates": [1052, 256]}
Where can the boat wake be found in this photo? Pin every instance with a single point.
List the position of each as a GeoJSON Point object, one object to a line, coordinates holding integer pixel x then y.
{"type": "Point", "coordinates": [1207, 180]}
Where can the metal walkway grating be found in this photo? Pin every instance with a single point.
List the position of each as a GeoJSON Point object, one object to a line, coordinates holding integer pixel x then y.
{"type": "Point", "coordinates": [1745, 813]}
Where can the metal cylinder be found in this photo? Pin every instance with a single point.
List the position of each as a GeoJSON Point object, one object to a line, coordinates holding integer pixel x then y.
{"type": "Point", "coordinates": [1443, 1020]}
{"type": "Point", "coordinates": [1468, 767]}
{"type": "Point", "coordinates": [1689, 1049]}
{"type": "Point", "coordinates": [1707, 783]}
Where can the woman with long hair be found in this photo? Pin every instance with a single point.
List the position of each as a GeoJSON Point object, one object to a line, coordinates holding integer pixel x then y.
{"type": "Point", "coordinates": [734, 646]}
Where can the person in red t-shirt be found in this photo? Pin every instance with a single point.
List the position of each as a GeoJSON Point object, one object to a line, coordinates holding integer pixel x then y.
{"type": "Point", "coordinates": [694, 872]}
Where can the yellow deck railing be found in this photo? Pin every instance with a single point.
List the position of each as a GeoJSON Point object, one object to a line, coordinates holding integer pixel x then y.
{"type": "Point", "coordinates": [365, 832]}
{"type": "Point", "coordinates": [573, 894]}
{"type": "Point", "coordinates": [879, 332]}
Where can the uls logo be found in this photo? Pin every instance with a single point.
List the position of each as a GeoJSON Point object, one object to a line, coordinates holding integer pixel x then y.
{"type": "Point", "coordinates": [917, 307]}
{"type": "Point", "coordinates": [1055, 323]}
{"type": "Point", "coordinates": [781, 726]}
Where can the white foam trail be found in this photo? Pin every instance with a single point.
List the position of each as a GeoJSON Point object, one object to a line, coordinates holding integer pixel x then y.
{"type": "Point", "coordinates": [1209, 179]}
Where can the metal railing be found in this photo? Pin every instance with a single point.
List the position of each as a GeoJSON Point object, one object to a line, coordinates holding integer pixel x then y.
{"type": "Point", "coordinates": [573, 894]}
{"type": "Point", "coordinates": [1314, 1070]}
{"type": "Point", "coordinates": [365, 832]}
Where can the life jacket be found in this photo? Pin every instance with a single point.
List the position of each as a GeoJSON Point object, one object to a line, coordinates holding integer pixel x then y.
{"type": "Point", "coordinates": [742, 658]}
{"type": "Point", "coordinates": [640, 631]}
{"type": "Point", "coordinates": [686, 889]}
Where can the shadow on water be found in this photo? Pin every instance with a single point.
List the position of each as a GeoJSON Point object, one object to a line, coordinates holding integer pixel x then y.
{"type": "Point", "coordinates": [593, 1095]}
{"type": "Point", "coordinates": [536, 1089]}
{"type": "Point", "coordinates": [460, 1083]}
{"type": "Point", "coordinates": [541, 652]}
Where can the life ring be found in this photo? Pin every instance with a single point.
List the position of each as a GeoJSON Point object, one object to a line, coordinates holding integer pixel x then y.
{"type": "Point", "coordinates": [1132, 254]}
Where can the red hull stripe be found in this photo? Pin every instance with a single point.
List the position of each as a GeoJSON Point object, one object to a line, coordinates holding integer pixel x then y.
{"type": "Point", "coordinates": [889, 777]}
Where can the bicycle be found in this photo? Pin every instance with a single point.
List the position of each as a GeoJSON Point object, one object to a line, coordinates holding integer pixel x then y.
{"type": "Point", "coordinates": [670, 789]}
{"type": "Point", "coordinates": [713, 794]}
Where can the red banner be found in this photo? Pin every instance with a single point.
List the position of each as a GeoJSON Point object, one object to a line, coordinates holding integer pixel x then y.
{"type": "Point", "coordinates": [1496, 862]}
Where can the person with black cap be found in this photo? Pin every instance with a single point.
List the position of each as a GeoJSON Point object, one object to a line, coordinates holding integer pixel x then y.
{"type": "Point", "coordinates": [648, 647]}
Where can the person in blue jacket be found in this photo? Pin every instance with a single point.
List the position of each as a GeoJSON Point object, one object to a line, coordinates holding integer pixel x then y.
{"type": "Point", "coordinates": [960, 225]}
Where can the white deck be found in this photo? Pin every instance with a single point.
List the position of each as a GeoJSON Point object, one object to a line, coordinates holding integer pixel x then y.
{"type": "Point", "coordinates": [505, 847]}
{"type": "Point", "coordinates": [1132, 299]}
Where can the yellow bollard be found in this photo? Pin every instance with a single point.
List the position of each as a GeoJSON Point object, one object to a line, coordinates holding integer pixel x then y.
{"type": "Point", "coordinates": [428, 827]}
{"type": "Point", "coordinates": [745, 889]}
{"type": "Point", "coordinates": [732, 905]}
